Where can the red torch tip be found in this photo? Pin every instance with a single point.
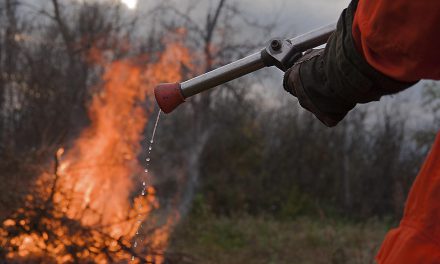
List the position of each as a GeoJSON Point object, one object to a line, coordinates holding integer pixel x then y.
{"type": "Point", "coordinates": [168, 96]}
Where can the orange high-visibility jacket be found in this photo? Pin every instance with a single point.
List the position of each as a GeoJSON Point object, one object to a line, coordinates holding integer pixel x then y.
{"type": "Point", "coordinates": [417, 239]}
{"type": "Point", "coordinates": [401, 39]}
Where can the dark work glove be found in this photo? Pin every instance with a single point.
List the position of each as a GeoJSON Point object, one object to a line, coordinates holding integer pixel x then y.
{"type": "Point", "coordinates": [331, 81]}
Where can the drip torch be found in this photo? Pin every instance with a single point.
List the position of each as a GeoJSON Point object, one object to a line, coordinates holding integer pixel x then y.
{"type": "Point", "coordinates": [278, 52]}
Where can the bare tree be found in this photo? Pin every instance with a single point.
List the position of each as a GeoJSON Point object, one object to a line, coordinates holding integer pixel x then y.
{"type": "Point", "coordinates": [198, 120]}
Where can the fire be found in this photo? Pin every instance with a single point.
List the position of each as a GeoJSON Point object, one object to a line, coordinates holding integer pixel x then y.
{"type": "Point", "coordinates": [83, 210]}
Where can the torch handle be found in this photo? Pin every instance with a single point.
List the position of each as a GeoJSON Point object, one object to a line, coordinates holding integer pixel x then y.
{"type": "Point", "coordinates": [313, 38]}
{"type": "Point", "coordinates": [222, 75]}
{"type": "Point", "coordinates": [279, 53]}
{"type": "Point", "coordinates": [251, 63]}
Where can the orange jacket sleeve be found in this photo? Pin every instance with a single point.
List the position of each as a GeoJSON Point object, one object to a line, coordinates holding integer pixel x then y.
{"type": "Point", "coordinates": [400, 38]}
{"type": "Point", "coordinates": [417, 239]}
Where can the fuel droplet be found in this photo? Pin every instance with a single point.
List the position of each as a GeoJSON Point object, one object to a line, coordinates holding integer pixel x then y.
{"type": "Point", "coordinates": [150, 148]}
{"type": "Point", "coordinates": [135, 244]}
{"type": "Point", "coordinates": [144, 183]}
{"type": "Point", "coordinates": [148, 159]}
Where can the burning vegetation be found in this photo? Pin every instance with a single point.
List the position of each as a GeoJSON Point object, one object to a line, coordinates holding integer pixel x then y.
{"type": "Point", "coordinates": [82, 209]}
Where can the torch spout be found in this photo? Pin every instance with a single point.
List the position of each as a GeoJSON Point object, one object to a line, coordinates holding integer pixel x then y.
{"type": "Point", "coordinates": [168, 96]}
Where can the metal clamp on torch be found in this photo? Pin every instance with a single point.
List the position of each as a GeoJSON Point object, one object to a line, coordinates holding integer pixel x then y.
{"type": "Point", "coordinates": [279, 53]}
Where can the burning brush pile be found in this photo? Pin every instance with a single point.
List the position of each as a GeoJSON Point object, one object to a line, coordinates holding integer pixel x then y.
{"type": "Point", "coordinates": [83, 208]}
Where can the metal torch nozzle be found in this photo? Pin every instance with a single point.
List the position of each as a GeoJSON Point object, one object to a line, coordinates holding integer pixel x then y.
{"type": "Point", "coordinates": [279, 53]}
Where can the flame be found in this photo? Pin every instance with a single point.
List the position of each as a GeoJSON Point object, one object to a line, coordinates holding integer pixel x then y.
{"type": "Point", "coordinates": [94, 179]}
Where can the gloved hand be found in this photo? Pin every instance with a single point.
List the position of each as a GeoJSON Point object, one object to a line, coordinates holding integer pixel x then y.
{"type": "Point", "coordinates": [331, 81]}
{"type": "Point", "coordinates": [306, 80]}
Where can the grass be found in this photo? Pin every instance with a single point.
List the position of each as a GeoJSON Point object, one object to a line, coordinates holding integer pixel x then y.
{"type": "Point", "coordinates": [265, 240]}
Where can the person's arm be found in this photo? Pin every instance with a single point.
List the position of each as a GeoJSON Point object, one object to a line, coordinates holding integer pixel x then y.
{"type": "Point", "coordinates": [399, 38]}
{"type": "Point", "coordinates": [330, 82]}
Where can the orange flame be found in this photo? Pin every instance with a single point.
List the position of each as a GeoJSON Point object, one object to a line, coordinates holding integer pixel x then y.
{"type": "Point", "coordinates": [95, 177]}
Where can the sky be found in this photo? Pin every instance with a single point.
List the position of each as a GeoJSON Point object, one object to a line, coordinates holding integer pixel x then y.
{"type": "Point", "coordinates": [296, 16]}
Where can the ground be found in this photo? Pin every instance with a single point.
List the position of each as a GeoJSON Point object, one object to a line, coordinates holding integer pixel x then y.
{"type": "Point", "coordinates": [247, 239]}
